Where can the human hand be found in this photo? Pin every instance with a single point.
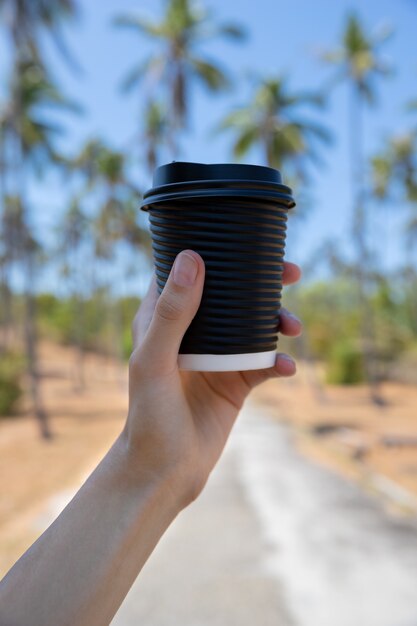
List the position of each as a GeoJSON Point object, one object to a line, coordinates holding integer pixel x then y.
{"type": "Point", "coordinates": [179, 421]}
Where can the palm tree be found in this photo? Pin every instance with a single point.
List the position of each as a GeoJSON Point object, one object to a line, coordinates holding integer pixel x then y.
{"type": "Point", "coordinates": [5, 290]}
{"type": "Point", "coordinates": [73, 234]}
{"type": "Point", "coordinates": [104, 174]}
{"type": "Point", "coordinates": [24, 252]}
{"type": "Point", "coordinates": [114, 224]}
{"type": "Point", "coordinates": [116, 219]}
{"type": "Point", "coordinates": [360, 64]}
{"type": "Point", "coordinates": [394, 172]}
{"type": "Point", "coordinates": [396, 166]}
{"type": "Point", "coordinates": [156, 129]}
{"type": "Point", "coordinates": [177, 64]}
{"type": "Point", "coordinates": [103, 171]}
{"type": "Point", "coordinates": [272, 121]}
{"type": "Point", "coordinates": [23, 21]}
{"type": "Point", "coordinates": [16, 242]}
{"type": "Point", "coordinates": [28, 141]}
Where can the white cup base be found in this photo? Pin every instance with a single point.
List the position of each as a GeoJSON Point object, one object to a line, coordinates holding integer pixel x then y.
{"type": "Point", "coordinates": [226, 362]}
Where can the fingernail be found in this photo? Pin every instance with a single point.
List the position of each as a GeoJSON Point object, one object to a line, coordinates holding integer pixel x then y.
{"type": "Point", "coordinates": [185, 270]}
{"type": "Point", "coordinates": [286, 357]}
{"type": "Point", "coordinates": [292, 316]}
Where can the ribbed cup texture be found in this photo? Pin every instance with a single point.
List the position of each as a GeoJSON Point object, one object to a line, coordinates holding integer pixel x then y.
{"type": "Point", "coordinates": [242, 243]}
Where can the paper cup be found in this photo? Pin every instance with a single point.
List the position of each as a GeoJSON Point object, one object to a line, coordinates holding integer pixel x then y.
{"type": "Point", "coordinates": [235, 217]}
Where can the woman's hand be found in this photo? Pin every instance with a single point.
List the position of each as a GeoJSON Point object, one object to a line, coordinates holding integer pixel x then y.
{"type": "Point", "coordinates": [81, 568]}
{"type": "Point", "coordinates": [179, 421]}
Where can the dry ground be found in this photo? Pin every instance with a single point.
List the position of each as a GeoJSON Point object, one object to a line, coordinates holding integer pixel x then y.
{"type": "Point", "coordinates": [343, 429]}
{"type": "Point", "coordinates": [86, 423]}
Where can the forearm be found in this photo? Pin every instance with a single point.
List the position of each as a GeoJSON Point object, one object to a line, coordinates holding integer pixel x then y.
{"type": "Point", "coordinates": [79, 571]}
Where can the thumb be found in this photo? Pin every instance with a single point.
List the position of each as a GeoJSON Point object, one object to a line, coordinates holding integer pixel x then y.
{"type": "Point", "coordinates": [174, 311]}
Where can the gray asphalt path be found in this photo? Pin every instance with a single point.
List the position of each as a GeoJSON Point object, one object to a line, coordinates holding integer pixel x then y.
{"type": "Point", "coordinates": [340, 558]}
{"type": "Point", "coordinates": [208, 569]}
{"type": "Point", "coordinates": [276, 540]}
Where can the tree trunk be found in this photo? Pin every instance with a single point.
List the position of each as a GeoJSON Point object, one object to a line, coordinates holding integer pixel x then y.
{"type": "Point", "coordinates": [362, 256]}
{"type": "Point", "coordinates": [79, 383]}
{"type": "Point", "coordinates": [32, 353]}
{"type": "Point", "coordinates": [76, 270]}
{"type": "Point", "coordinates": [5, 310]}
{"type": "Point", "coordinates": [118, 339]}
{"type": "Point", "coordinates": [28, 264]}
{"type": "Point", "coordinates": [5, 290]}
{"type": "Point", "coordinates": [411, 282]}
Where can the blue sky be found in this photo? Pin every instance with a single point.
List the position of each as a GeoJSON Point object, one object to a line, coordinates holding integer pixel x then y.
{"type": "Point", "coordinates": [284, 37]}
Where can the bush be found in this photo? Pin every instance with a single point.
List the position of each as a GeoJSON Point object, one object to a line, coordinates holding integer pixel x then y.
{"type": "Point", "coordinates": [404, 369]}
{"type": "Point", "coordinates": [11, 369]}
{"type": "Point", "coordinates": [345, 364]}
{"type": "Point", "coordinates": [128, 308]}
{"type": "Point", "coordinates": [327, 310]}
{"type": "Point", "coordinates": [127, 343]}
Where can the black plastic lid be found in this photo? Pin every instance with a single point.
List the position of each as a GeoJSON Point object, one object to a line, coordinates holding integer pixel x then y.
{"type": "Point", "coordinates": [181, 181]}
{"type": "Point", "coordinates": [183, 172]}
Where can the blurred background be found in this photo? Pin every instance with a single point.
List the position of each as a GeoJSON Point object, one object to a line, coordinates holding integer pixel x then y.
{"type": "Point", "coordinates": [95, 95]}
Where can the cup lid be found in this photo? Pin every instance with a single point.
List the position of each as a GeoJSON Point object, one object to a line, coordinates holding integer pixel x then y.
{"type": "Point", "coordinates": [183, 181]}
{"type": "Point", "coordinates": [182, 171]}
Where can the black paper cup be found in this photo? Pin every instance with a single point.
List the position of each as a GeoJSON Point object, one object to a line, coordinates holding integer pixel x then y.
{"type": "Point", "coordinates": [235, 217]}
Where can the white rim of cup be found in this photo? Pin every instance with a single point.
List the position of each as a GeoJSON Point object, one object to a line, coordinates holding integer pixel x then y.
{"type": "Point", "coordinates": [226, 362]}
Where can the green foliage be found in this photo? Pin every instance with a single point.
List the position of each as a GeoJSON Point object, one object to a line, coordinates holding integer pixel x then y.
{"type": "Point", "coordinates": [329, 310]}
{"type": "Point", "coordinates": [11, 370]}
{"type": "Point", "coordinates": [178, 63]}
{"type": "Point", "coordinates": [102, 216]}
{"type": "Point", "coordinates": [404, 369]}
{"type": "Point", "coordinates": [331, 316]}
{"type": "Point", "coordinates": [127, 307]}
{"type": "Point", "coordinates": [392, 328]}
{"type": "Point", "coordinates": [345, 364]}
{"type": "Point", "coordinates": [127, 343]}
{"type": "Point", "coordinates": [54, 318]}
{"type": "Point", "coordinates": [110, 165]}
{"type": "Point", "coordinates": [394, 170]}
{"type": "Point", "coordinates": [274, 121]}
{"type": "Point", "coordinates": [359, 58]}
{"type": "Point", "coordinates": [98, 324]}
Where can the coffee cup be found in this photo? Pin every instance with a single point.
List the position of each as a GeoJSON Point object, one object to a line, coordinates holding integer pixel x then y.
{"type": "Point", "coordinates": [235, 217]}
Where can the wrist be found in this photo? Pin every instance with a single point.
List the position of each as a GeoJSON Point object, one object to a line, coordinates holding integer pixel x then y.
{"type": "Point", "coordinates": [139, 473]}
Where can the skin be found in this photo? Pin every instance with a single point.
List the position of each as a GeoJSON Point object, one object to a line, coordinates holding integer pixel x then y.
{"type": "Point", "coordinates": [79, 571]}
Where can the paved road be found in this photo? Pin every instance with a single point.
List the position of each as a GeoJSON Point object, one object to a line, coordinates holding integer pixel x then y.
{"type": "Point", "coordinates": [208, 569]}
{"type": "Point", "coordinates": [276, 540]}
{"type": "Point", "coordinates": [341, 560]}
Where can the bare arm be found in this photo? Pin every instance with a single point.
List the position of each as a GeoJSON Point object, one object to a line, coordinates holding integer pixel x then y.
{"type": "Point", "coordinates": [79, 571]}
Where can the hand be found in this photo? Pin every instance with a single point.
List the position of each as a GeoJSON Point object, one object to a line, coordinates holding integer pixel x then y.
{"type": "Point", "coordinates": [179, 421]}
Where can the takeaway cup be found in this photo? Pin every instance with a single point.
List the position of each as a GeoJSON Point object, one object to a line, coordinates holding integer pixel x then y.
{"type": "Point", "coordinates": [235, 217]}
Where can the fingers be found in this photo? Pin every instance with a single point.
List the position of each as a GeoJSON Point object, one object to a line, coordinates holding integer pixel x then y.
{"type": "Point", "coordinates": [292, 273]}
{"type": "Point", "coordinates": [284, 366]}
{"type": "Point", "coordinates": [289, 324]}
{"type": "Point", "coordinates": [175, 298]}
{"type": "Point", "coordinates": [173, 313]}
